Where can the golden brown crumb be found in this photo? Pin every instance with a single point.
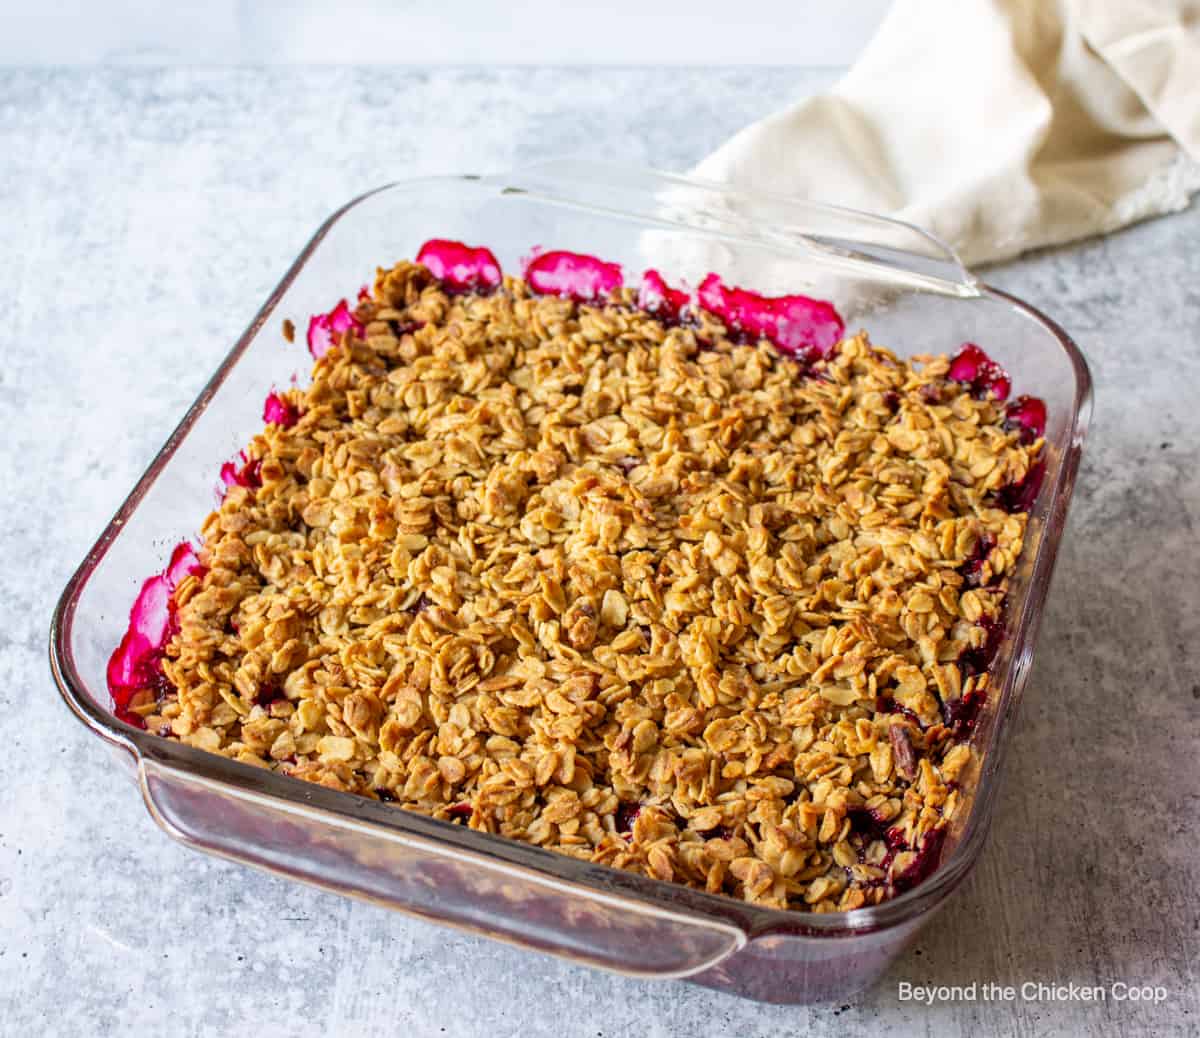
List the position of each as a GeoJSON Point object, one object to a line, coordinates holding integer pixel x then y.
{"type": "Point", "coordinates": [289, 330]}
{"type": "Point", "coordinates": [642, 595]}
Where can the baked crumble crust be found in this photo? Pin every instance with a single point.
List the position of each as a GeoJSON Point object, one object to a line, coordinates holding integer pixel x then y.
{"type": "Point", "coordinates": [636, 592]}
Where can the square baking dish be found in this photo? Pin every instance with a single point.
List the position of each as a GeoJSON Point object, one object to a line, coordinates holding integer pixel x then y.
{"type": "Point", "coordinates": [904, 287]}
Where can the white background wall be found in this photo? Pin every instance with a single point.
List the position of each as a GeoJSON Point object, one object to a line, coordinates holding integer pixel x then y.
{"type": "Point", "coordinates": [436, 32]}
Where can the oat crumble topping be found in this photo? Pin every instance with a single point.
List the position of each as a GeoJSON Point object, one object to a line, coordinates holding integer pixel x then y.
{"type": "Point", "coordinates": [634, 592]}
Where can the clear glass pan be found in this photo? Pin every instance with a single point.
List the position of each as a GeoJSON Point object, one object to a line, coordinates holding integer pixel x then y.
{"type": "Point", "coordinates": [911, 294]}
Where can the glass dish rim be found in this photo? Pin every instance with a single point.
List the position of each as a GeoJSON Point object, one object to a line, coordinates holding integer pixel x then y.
{"type": "Point", "coordinates": [534, 862]}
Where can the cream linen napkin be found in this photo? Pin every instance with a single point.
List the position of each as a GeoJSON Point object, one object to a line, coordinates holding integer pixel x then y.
{"type": "Point", "coordinates": [999, 125]}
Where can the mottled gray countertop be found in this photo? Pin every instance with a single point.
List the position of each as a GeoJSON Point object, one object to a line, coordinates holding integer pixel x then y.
{"type": "Point", "coordinates": [145, 214]}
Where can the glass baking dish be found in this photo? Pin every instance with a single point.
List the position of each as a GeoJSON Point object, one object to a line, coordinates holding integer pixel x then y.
{"type": "Point", "coordinates": [912, 295]}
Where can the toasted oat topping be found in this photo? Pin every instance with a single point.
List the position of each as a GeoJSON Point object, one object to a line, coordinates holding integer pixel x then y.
{"type": "Point", "coordinates": [643, 595]}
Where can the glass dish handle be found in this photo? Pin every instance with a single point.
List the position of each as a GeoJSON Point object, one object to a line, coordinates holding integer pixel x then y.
{"type": "Point", "coordinates": [880, 247]}
{"type": "Point", "coordinates": [435, 881]}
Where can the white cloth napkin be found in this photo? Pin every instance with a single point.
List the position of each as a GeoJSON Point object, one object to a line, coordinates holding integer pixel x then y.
{"type": "Point", "coordinates": [999, 125]}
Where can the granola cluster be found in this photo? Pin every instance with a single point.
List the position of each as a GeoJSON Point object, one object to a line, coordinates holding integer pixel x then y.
{"type": "Point", "coordinates": [642, 594]}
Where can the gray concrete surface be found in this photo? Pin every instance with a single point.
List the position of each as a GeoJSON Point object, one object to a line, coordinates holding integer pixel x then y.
{"type": "Point", "coordinates": [144, 214]}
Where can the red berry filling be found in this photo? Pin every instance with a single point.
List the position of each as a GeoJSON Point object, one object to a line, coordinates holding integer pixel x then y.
{"type": "Point", "coordinates": [269, 692]}
{"type": "Point", "coordinates": [972, 568]}
{"type": "Point", "coordinates": [324, 330]}
{"type": "Point", "coordinates": [459, 267]}
{"type": "Point", "coordinates": [277, 411]}
{"type": "Point", "coordinates": [1020, 497]}
{"type": "Point", "coordinates": [985, 377]}
{"type": "Point", "coordinates": [626, 814]}
{"type": "Point", "coordinates": [246, 474]}
{"type": "Point", "coordinates": [136, 664]}
{"type": "Point", "coordinates": [976, 369]}
{"type": "Point", "coordinates": [873, 826]}
{"type": "Point", "coordinates": [657, 297]}
{"type": "Point", "coordinates": [572, 275]}
{"type": "Point", "coordinates": [928, 855]}
{"type": "Point", "coordinates": [804, 327]}
{"type": "Point", "coordinates": [979, 659]}
{"type": "Point", "coordinates": [960, 714]}
{"type": "Point", "coordinates": [1028, 414]}
{"type": "Point", "coordinates": [870, 826]}
{"type": "Point", "coordinates": [887, 705]}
